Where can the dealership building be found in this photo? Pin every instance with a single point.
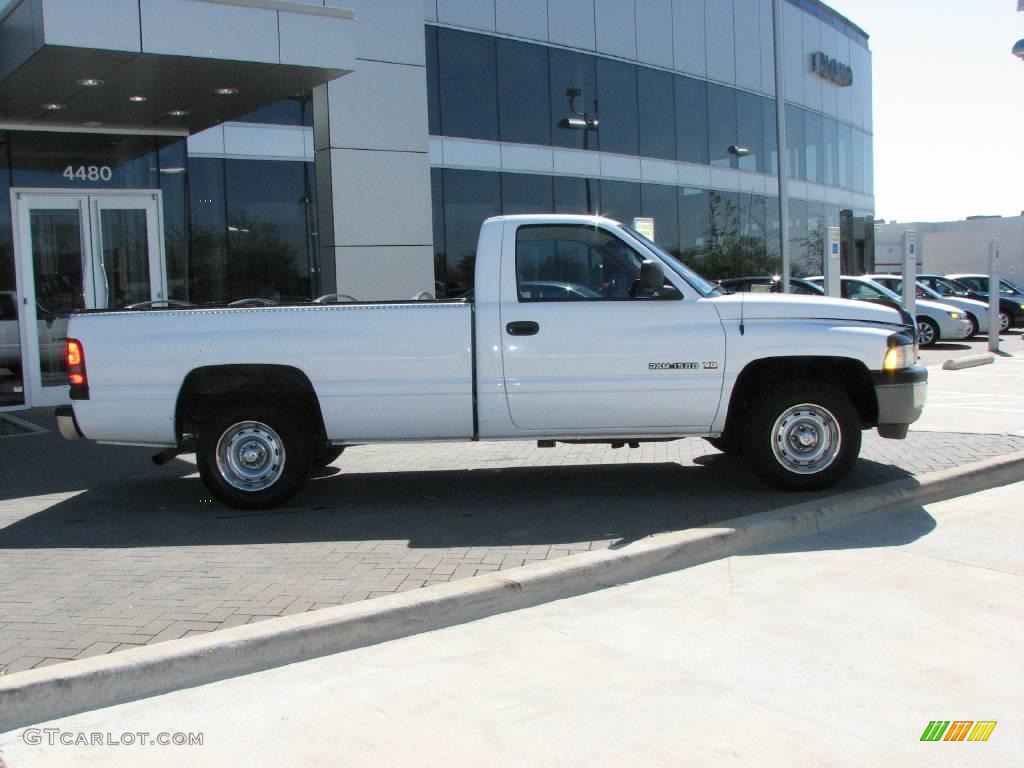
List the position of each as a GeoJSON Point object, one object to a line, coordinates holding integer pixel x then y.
{"type": "Point", "coordinates": [207, 151]}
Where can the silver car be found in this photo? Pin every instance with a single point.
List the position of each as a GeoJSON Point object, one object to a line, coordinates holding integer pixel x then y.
{"type": "Point", "coordinates": [976, 312]}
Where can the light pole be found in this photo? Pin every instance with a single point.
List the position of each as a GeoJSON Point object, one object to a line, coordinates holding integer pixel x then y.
{"type": "Point", "coordinates": [581, 121]}
{"type": "Point", "coordinates": [780, 132]}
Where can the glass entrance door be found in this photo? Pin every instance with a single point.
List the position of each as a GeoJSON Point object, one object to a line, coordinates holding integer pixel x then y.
{"type": "Point", "coordinates": [79, 251]}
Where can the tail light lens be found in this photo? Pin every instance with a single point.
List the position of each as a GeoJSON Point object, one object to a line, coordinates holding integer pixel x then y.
{"type": "Point", "coordinates": [77, 377]}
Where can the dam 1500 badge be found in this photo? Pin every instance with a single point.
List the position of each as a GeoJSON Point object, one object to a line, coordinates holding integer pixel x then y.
{"type": "Point", "coordinates": [710, 365]}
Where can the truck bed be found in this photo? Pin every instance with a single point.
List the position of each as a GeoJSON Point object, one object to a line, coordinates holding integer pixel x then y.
{"type": "Point", "coordinates": [381, 370]}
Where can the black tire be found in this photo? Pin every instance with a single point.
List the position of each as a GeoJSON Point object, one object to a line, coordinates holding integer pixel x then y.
{"type": "Point", "coordinates": [326, 455]}
{"type": "Point", "coordinates": [725, 445]}
{"type": "Point", "coordinates": [820, 412]}
{"type": "Point", "coordinates": [275, 444]}
{"type": "Point", "coordinates": [927, 331]}
{"type": "Point", "coordinates": [974, 325]}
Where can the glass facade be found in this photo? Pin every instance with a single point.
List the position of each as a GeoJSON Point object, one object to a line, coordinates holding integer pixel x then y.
{"type": "Point", "coordinates": [482, 87]}
{"type": "Point", "coordinates": [231, 229]}
{"type": "Point", "coordinates": [720, 234]}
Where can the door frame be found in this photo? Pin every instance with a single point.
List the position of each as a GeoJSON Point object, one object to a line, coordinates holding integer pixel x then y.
{"type": "Point", "coordinates": [89, 203]}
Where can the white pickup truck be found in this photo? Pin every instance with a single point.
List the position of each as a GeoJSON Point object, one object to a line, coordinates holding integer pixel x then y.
{"type": "Point", "coordinates": [580, 329]}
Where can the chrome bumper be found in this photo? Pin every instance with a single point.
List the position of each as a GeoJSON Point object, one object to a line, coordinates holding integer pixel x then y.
{"type": "Point", "coordinates": [901, 397]}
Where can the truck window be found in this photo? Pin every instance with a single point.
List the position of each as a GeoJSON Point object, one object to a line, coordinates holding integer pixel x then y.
{"type": "Point", "coordinates": [569, 262]}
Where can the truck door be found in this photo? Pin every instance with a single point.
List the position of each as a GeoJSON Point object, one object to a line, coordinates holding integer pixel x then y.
{"type": "Point", "coordinates": [582, 352]}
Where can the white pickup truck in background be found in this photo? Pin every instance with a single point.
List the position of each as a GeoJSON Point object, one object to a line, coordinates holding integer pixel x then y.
{"type": "Point", "coordinates": [630, 346]}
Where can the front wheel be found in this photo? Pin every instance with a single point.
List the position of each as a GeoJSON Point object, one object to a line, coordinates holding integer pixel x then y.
{"type": "Point", "coordinates": [974, 326]}
{"type": "Point", "coordinates": [1004, 321]}
{"type": "Point", "coordinates": [253, 456]}
{"type": "Point", "coordinates": [927, 331]}
{"type": "Point", "coordinates": [804, 439]}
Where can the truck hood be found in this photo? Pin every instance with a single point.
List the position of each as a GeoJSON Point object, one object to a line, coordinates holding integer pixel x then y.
{"type": "Point", "coordinates": [774, 306]}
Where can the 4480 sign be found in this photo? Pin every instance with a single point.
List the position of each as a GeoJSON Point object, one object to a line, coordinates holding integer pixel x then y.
{"type": "Point", "coordinates": [88, 173]}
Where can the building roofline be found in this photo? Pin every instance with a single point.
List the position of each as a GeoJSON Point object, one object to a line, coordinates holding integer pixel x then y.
{"type": "Point", "coordinates": [808, 5]}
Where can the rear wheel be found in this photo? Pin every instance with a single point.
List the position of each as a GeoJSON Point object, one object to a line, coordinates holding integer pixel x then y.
{"type": "Point", "coordinates": [804, 439]}
{"type": "Point", "coordinates": [927, 331]}
{"type": "Point", "coordinates": [253, 456]}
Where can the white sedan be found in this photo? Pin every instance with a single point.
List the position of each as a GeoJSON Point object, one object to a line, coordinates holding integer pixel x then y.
{"type": "Point", "coordinates": [935, 322]}
{"type": "Point", "coordinates": [975, 311]}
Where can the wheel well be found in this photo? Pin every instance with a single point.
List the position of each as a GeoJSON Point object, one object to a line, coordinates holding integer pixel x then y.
{"type": "Point", "coordinates": [208, 390]}
{"type": "Point", "coordinates": [765, 375]}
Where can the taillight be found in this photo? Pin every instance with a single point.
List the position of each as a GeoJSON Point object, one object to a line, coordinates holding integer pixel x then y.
{"type": "Point", "coordinates": [77, 377]}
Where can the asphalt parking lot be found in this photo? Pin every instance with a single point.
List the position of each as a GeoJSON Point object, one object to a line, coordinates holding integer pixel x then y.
{"type": "Point", "coordinates": [101, 551]}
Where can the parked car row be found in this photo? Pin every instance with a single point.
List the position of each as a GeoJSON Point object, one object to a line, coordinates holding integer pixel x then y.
{"type": "Point", "coordinates": [949, 307]}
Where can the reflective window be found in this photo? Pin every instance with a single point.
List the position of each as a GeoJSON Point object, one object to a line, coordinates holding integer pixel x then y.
{"type": "Point", "coordinates": [723, 251]}
{"type": "Point", "coordinates": [694, 224]}
{"type": "Point", "coordinates": [656, 91]}
{"type": "Point", "coordinates": [526, 193]}
{"type": "Point", "coordinates": [857, 160]}
{"type": "Point", "coordinates": [252, 225]}
{"type": "Point", "coordinates": [269, 220]}
{"type": "Point", "coordinates": [468, 82]}
{"type": "Point", "coordinates": [574, 263]}
{"type": "Point", "coordinates": [869, 163]}
{"type": "Point", "coordinates": [11, 389]}
{"type": "Point", "coordinates": [798, 237]}
{"type": "Point", "coordinates": [85, 161]}
{"type": "Point", "coordinates": [209, 235]}
{"type": "Point", "coordinates": [437, 203]}
{"type": "Point", "coordinates": [795, 161]}
{"type": "Point", "coordinates": [620, 200]}
{"type": "Point", "coordinates": [691, 120]}
{"type": "Point", "coordinates": [750, 131]}
{"type": "Point", "coordinates": [469, 198]}
{"type": "Point", "coordinates": [830, 151]}
{"type": "Point", "coordinates": [617, 107]}
{"type": "Point", "coordinates": [770, 128]}
{"type": "Point", "coordinates": [573, 93]}
{"type": "Point", "coordinates": [524, 103]}
{"type": "Point", "coordinates": [812, 253]}
{"type": "Point", "coordinates": [722, 129]}
{"type": "Point", "coordinates": [294, 110]}
{"type": "Point", "coordinates": [845, 156]}
{"type": "Point", "coordinates": [173, 177]}
{"type": "Point", "coordinates": [661, 203]}
{"type": "Point", "coordinates": [574, 195]}
{"type": "Point", "coordinates": [814, 155]}
{"type": "Point", "coordinates": [433, 83]}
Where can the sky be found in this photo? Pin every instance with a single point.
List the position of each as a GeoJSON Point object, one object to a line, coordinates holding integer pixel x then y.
{"type": "Point", "coordinates": [948, 106]}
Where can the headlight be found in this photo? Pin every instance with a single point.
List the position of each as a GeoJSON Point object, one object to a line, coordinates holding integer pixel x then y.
{"type": "Point", "coordinates": [1022, 306]}
{"type": "Point", "coordinates": [954, 315]}
{"type": "Point", "coordinates": [899, 357]}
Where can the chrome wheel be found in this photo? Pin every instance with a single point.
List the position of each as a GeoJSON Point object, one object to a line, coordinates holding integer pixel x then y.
{"type": "Point", "coordinates": [806, 439]}
{"type": "Point", "coordinates": [250, 456]}
{"type": "Point", "coordinates": [1004, 321]}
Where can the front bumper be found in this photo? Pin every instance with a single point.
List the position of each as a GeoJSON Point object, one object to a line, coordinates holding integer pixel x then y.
{"type": "Point", "coordinates": [901, 396]}
{"type": "Point", "coordinates": [66, 424]}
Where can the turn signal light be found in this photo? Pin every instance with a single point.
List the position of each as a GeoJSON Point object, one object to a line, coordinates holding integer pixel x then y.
{"type": "Point", "coordinates": [77, 377]}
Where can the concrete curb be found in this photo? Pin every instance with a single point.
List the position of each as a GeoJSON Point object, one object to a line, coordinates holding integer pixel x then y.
{"type": "Point", "coordinates": [968, 361]}
{"type": "Point", "coordinates": [36, 696]}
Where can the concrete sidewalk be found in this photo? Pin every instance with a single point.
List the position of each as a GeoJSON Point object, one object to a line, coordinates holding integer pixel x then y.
{"type": "Point", "coordinates": [834, 649]}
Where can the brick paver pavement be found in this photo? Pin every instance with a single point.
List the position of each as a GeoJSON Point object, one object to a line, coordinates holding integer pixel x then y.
{"type": "Point", "coordinates": [101, 551]}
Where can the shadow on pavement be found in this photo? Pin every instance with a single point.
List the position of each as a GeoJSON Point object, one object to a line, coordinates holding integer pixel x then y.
{"type": "Point", "coordinates": [432, 509]}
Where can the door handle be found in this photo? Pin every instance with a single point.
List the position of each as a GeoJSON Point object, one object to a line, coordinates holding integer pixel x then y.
{"type": "Point", "coordinates": [522, 328]}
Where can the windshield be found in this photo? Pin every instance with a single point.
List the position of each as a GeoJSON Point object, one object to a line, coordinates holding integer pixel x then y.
{"type": "Point", "coordinates": [704, 288]}
{"type": "Point", "coordinates": [947, 287]}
